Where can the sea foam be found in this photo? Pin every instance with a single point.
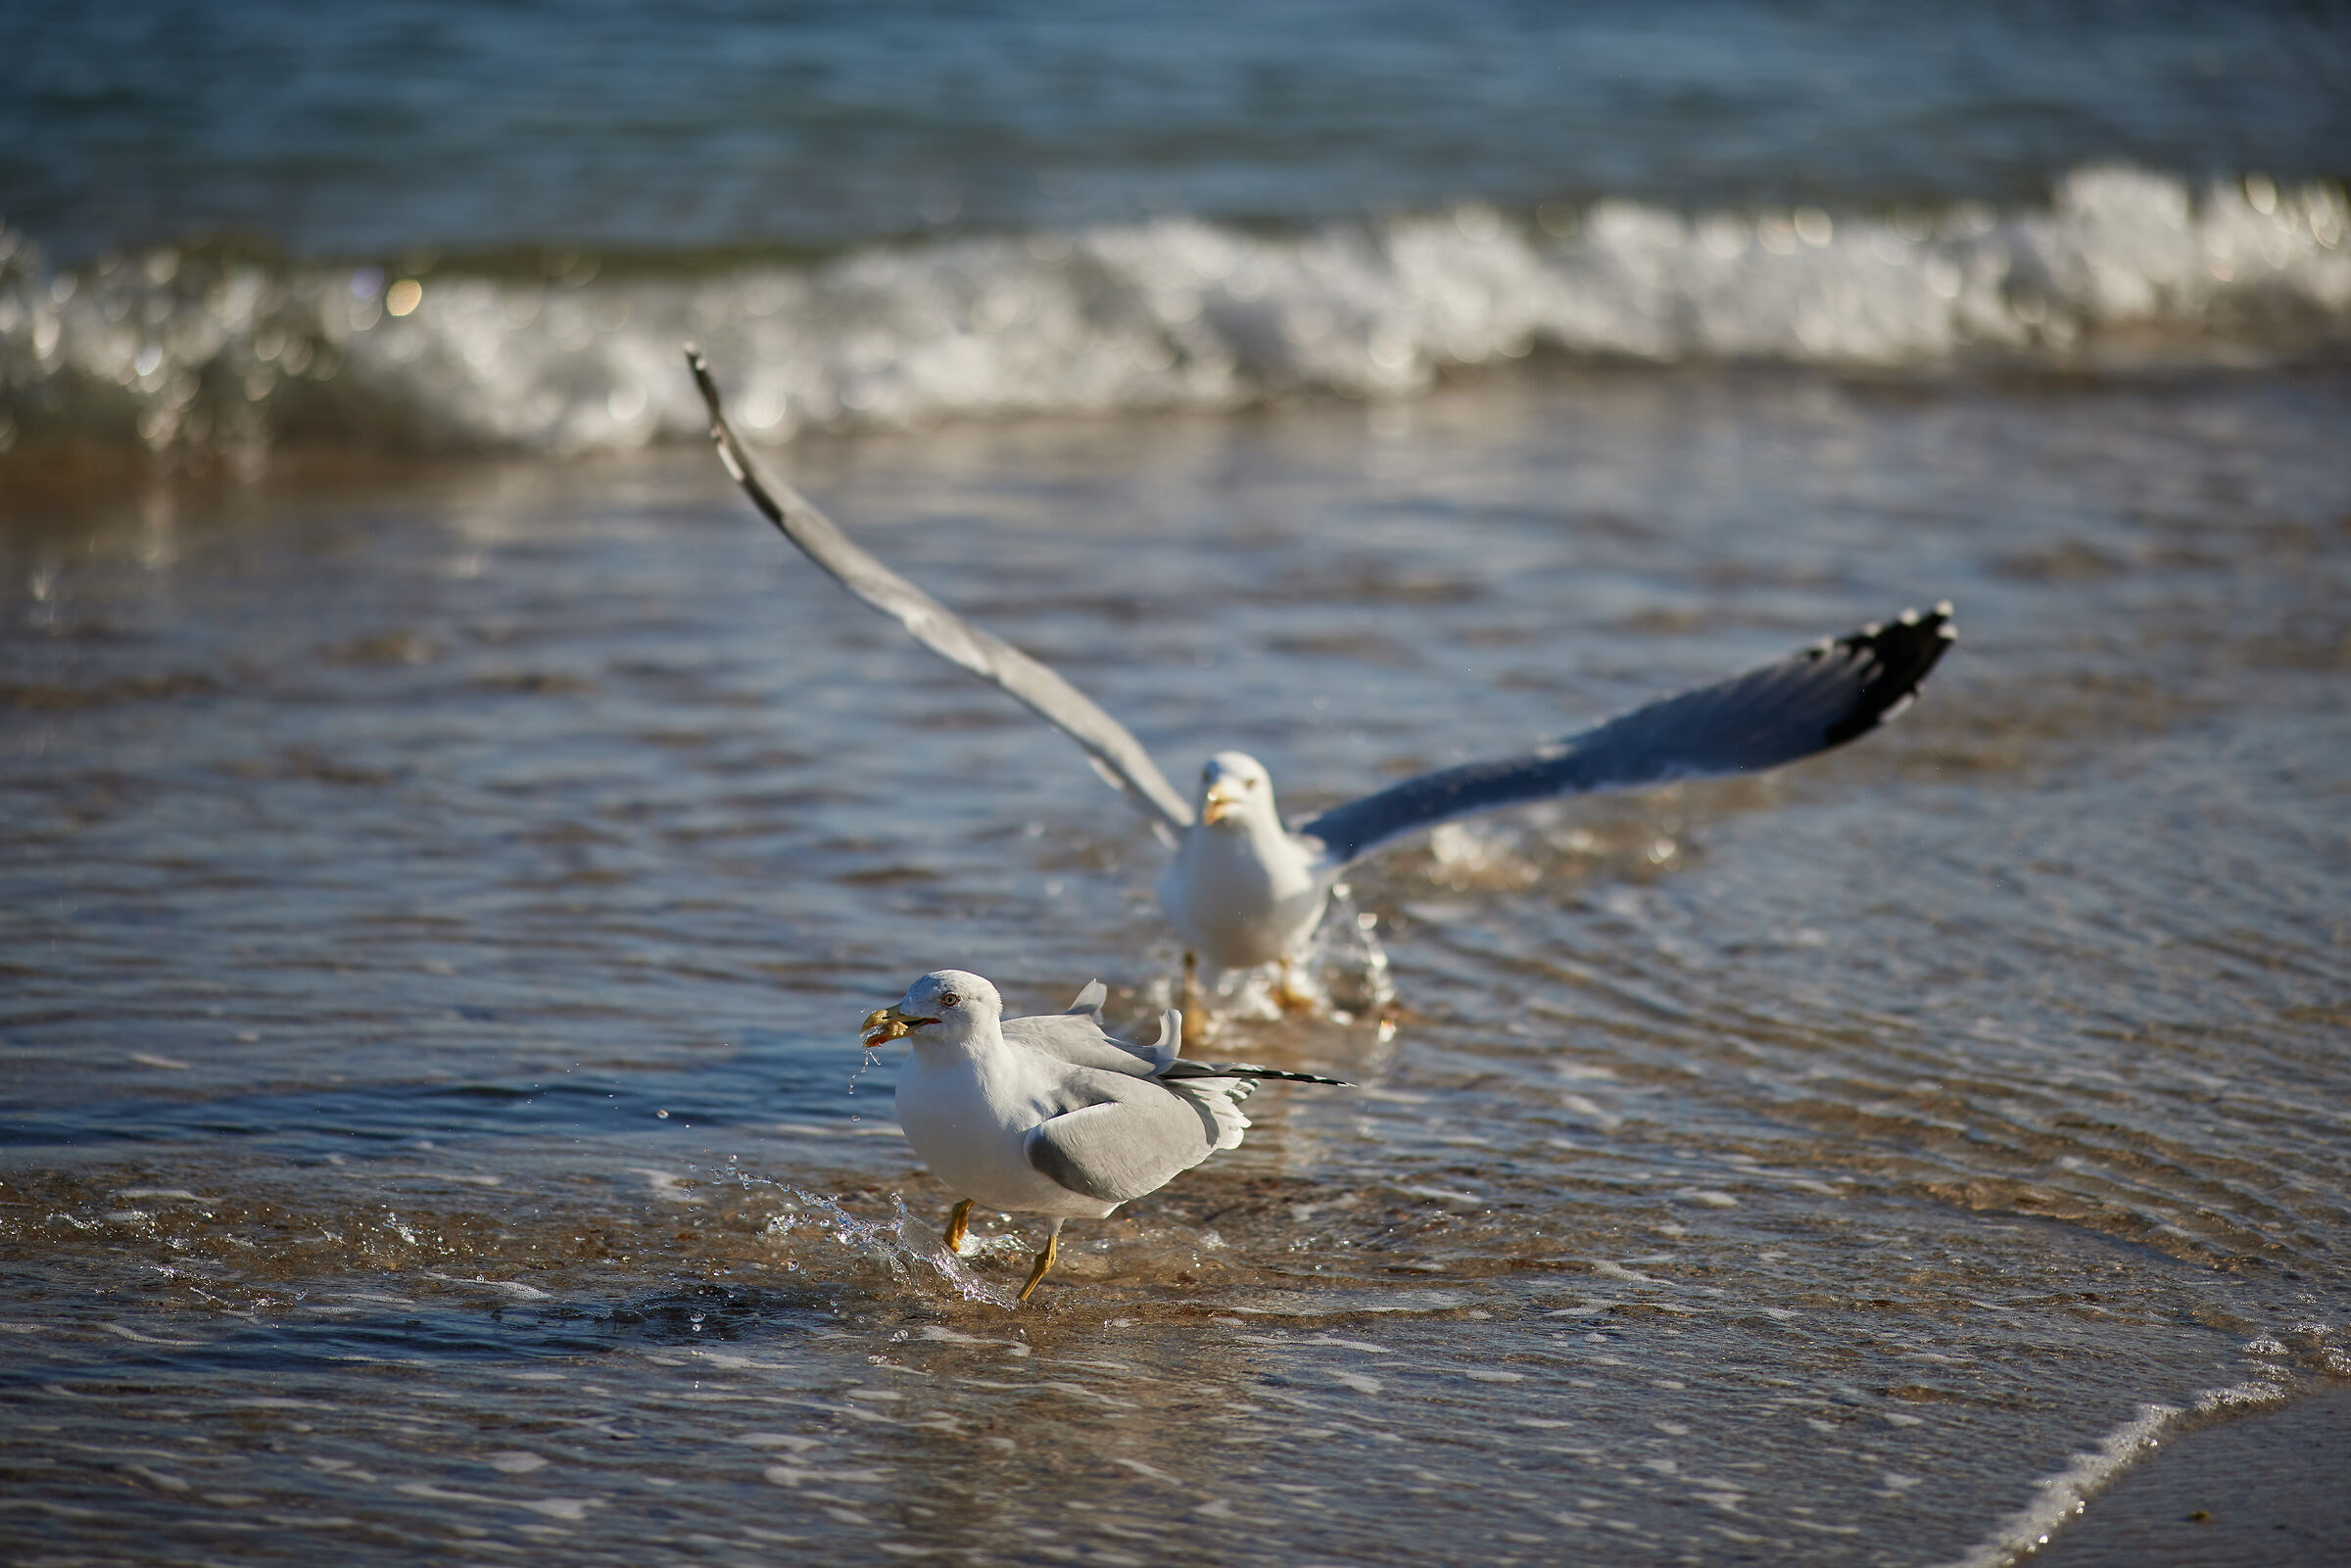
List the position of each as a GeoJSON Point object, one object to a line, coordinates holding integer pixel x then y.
{"type": "Point", "coordinates": [196, 349]}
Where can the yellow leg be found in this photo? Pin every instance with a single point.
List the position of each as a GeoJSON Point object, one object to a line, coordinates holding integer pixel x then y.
{"type": "Point", "coordinates": [1044, 1260]}
{"type": "Point", "coordinates": [959, 1223]}
{"type": "Point", "coordinates": [1189, 1001]}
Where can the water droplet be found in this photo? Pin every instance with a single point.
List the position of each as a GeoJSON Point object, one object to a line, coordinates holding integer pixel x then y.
{"type": "Point", "coordinates": [871, 1060]}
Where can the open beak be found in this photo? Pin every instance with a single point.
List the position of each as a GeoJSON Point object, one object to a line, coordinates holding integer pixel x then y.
{"type": "Point", "coordinates": [889, 1023]}
{"type": "Point", "coordinates": [1221, 801]}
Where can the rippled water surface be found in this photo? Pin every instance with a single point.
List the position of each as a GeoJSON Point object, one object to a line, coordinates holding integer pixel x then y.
{"type": "Point", "coordinates": [403, 125]}
{"type": "Point", "coordinates": [438, 899]}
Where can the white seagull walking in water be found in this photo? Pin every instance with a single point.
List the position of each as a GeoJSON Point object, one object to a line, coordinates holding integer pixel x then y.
{"type": "Point", "coordinates": [1052, 1115]}
{"type": "Point", "coordinates": [1246, 890]}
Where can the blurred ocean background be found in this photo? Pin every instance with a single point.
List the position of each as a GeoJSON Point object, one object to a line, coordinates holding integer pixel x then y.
{"type": "Point", "coordinates": [446, 841]}
{"type": "Point", "coordinates": [468, 226]}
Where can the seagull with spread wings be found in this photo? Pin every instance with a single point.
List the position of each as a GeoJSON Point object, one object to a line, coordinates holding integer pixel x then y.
{"type": "Point", "coordinates": [1244, 889]}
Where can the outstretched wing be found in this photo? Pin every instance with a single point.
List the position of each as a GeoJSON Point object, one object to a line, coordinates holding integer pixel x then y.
{"type": "Point", "coordinates": [1831, 692]}
{"type": "Point", "coordinates": [1115, 753]}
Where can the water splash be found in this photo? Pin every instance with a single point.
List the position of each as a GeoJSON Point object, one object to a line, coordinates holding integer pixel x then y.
{"type": "Point", "coordinates": [1347, 956]}
{"type": "Point", "coordinates": [1342, 974]}
{"type": "Point", "coordinates": [902, 1244]}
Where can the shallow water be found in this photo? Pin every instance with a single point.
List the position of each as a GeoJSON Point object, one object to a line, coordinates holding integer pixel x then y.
{"type": "Point", "coordinates": [438, 901]}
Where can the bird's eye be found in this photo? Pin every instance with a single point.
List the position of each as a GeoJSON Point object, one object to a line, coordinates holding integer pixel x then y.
{"type": "Point", "coordinates": [948, 999]}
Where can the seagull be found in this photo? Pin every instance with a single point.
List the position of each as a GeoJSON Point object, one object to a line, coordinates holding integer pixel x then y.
{"type": "Point", "coordinates": [1246, 890]}
{"type": "Point", "coordinates": [1053, 1115]}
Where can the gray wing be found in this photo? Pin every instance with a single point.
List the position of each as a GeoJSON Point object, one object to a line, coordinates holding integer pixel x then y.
{"type": "Point", "coordinates": [1115, 753]}
{"type": "Point", "coordinates": [1078, 1038]}
{"type": "Point", "coordinates": [1130, 1134]}
{"type": "Point", "coordinates": [1132, 1139]}
{"type": "Point", "coordinates": [1831, 692]}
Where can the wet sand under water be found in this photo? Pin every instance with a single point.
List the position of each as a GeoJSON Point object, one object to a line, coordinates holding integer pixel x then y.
{"type": "Point", "coordinates": [2260, 1490]}
{"type": "Point", "coordinates": [436, 908]}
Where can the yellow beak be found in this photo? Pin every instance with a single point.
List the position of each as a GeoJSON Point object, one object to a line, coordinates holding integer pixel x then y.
{"type": "Point", "coordinates": [1221, 801]}
{"type": "Point", "coordinates": [888, 1024]}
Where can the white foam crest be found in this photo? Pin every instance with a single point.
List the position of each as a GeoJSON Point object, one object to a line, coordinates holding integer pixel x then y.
{"type": "Point", "coordinates": [2067, 1492]}
{"type": "Point", "coordinates": [198, 352]}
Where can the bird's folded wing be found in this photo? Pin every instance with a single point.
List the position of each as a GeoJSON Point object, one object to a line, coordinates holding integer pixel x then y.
{"type": "Point", "coordinates": [1115, 754]}
{"type": "Point", "coordinates": [1823, 697]}
{"type": "Point", "coordinates": [1075, 1038]}
{"type": "Point", "coordinates": [1127, 1146]}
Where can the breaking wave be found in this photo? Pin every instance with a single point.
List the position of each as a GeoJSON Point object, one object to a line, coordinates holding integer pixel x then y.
{"type": "Point", "coordinates": [200, 350]}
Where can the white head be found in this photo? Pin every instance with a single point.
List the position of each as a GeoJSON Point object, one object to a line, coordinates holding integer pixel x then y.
{"type": "Point", "coordinates": [1236, 793]}
{"type": "Point", "coordinates": [946, 1004]}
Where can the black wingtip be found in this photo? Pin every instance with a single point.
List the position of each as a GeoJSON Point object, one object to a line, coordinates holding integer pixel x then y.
{"type": "Point", "coordinates": [704, 383]}
{"type": "Point", "coordinates": [730, 455]}
{"type": "Point", "coordinates": [1185, 1067]}
{"type": "Point", "coordinates": [1299, 1077]}
{"type": "Point", "coordinates": [1903, 652]}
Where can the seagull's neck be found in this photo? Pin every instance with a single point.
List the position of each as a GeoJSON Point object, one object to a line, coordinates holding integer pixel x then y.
{"type": "Point", "coordinates": [1261, 839]}
{"type": "Point", "coordinates": [983, 1040]}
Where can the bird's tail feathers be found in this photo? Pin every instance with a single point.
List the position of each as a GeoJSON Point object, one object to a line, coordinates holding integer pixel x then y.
{"type": "Point", "coordinates": [1220, 1099]}
{"type": "Point", "coordinates": [1246, 1072]}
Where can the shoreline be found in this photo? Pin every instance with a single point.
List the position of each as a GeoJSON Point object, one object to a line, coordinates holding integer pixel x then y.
{"type": "Point", "coordinates": [2265, 1489]}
